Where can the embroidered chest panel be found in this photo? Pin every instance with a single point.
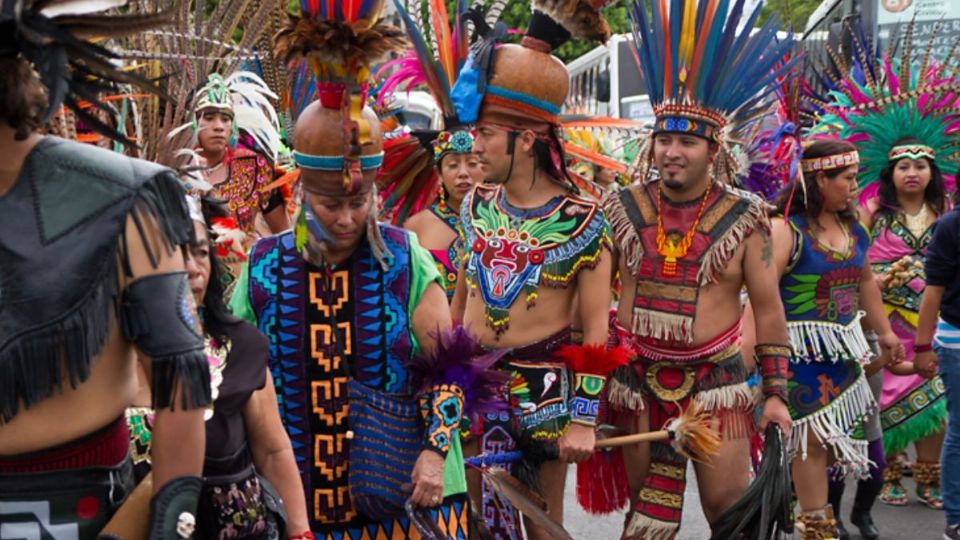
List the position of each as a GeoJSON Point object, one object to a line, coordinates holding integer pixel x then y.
{"type": "Point", "coordinates": [822, 284]}
{"type": "Point", "coordinates": [243, 190]}
{"type": "Point", "coordinates": [514, 251]}
{"type": "Point", "coordinates": [665, 305]}
{"type": "Point", "coordinates": [896, 252]}
{"type": "Point", "coordinates": [326, 327]}
{"type": "Point", "coordinates": [448, 259]}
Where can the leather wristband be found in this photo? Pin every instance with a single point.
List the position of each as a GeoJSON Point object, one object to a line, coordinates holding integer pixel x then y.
{"type": "Point", "coordinates": [585, 405]}
{"type": "Point", "coordinates": [173, 509]}
{"type": "Point", "coordinates": [774, 363]}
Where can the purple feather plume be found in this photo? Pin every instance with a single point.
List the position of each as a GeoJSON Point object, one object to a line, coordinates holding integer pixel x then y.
{"type": "Point", "coordinates": [460, 360]}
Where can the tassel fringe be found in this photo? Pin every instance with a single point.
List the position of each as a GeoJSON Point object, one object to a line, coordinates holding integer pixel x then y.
{"type": "Point", "coordinates": [641, 527]}
{"type": "Point", "coordinates": [624, 233]}
{"type": "Point", "coordinates": [823, 340]}
{"type": "Point", "coordinates": [718, 254]}
{"type": "Point", "coordinates": [662, 326]}
{"type": "Point", "coordinates": [623, 391]}
{"type": "Point", "coordinates": [833, 425]}
{"type": "Point", "coordinates": [602, 486]}
{"type": "Point", "coordinates": [185, 374]}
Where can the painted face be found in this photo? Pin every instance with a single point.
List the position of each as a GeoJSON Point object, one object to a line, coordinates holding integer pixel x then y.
{"type": "Point", "coordinates": [342, 218]}
{"type": "Point", "coordinates": [840, 192]}
{"type": "Point", "coordinates": [490, 147]}
{"type": "Point", "coordinates": [683, 160]}
{"type": "Point", "coordinates": [459, 173]}
{"type": "Point", "coordinates": [198, 263]}
{"type": "Point", "coordinates": [215, 129]}
{"type": "Point", "coordinates": [911, 175]}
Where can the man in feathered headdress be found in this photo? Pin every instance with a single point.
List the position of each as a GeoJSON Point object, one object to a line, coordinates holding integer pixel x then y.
{"type": "Point", "coordinates": [92, 278]}
{"type": "Point", "coordinates": [356, 314]}
{"type": "Point", "coordinates": [533, 246]}
{"type": "Point", "coordinates": [237, 136]}
{"type": "Point", "coordinates": [687, 243]}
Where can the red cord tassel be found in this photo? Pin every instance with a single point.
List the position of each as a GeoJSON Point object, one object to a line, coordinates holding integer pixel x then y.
{"type": "Point", "coordinates": [602, 482]}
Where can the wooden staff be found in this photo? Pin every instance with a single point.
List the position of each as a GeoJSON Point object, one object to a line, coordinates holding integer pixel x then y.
{"type": "Point", "coordinates": [689, 434]}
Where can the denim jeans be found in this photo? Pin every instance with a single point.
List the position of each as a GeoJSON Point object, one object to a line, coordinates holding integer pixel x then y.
{"type": "Point", "coordinates": [950, 459]}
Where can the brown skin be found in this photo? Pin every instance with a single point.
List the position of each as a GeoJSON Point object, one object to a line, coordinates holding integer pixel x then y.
{"type": "Point", "coordinates": [553, 307]}
{"type": "Point", "coordinates": [179, 435]}
{"type": "Point", "coordinates": [345, 217]}
{"type": "Point", "coordinates": [810, 474]}
{"type": "Point", "coordinates": [684, 163]}
{"type": "Point", "coordinates": [459, 173]}
{"type": "Point", "coordinates": [605, 178]}
{"type": "Point", "coordinates": [213, 136]}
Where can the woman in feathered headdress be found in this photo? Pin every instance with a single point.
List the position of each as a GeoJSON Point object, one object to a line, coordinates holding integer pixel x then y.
{"type": "Point", "coordinates": [903, 119]}
{"type": "Point", "coordinates": [427, 174]}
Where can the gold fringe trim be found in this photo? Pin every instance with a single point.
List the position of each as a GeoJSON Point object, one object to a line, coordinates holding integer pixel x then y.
{"type": "Point", "coordinates": [624, 398]}
{"type": "Point", "coordinates": [641, 527]}
{"type": "Point", "coordinates": [624, 233]}
{"type": "Point", "coordinates": [719, 253]}
{"type": "Point", "coordinates": [832, 426]}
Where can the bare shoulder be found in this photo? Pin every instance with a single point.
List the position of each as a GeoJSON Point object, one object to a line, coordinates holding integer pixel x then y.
{"type": "Point", "coordinates": [419, 221]}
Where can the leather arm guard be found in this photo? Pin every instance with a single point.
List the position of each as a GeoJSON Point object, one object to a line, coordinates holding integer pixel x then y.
{"type": "Point", "coordinates": [590, 364]}
{"type": "Point", "coordinates": [159, 315]}
{"type": "Point", "coordinates": [173, 509]}
{"type": "Point", "coordinates": [442, 410]}
{"type": "Point", "coordinates": [774, 361]}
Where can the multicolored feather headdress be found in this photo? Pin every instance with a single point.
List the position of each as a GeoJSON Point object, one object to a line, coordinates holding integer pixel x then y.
{"type": "Point", "coordinates": [56, 38]}
{"type": "Point", "coordinates": [706, 73]}
{"type": "Point", "coordinates": [875, 101]}
{"type": "Point", "coordinates": [409, 182]}
{"type": "Point", "coordinates": [339, 41]}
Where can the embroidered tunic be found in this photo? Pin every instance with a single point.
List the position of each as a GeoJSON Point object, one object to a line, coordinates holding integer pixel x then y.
{"type": "Point", "coordinates": [514, 250]}
{"type": "Point", "coordinates": [827, 390]}
{"type": "Point", "coordinates": [330, 328]}
{"type": "Point", "coordinates": [912, 407]}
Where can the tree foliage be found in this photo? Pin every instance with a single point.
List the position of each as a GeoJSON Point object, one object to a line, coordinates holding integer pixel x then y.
{"type": "Point", "coordinates": [792, 13]}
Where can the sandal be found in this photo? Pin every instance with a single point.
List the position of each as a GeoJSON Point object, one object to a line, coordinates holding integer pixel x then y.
{"type": "Point", "coordinates": [930, 496]}
{"type": "Point", "coordinates": [893, 494]}
{"type": "Point", "coordinates": [927, 476]}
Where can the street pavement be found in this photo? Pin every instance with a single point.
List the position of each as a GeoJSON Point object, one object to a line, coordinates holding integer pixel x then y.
{"type": "Point", "coordinates": [913, 522]}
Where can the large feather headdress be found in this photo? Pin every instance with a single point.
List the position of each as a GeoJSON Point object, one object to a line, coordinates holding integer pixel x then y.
{"type": "Point", "coordinates": [705, 73]}
{"type": "Point", "coordinates": [409, 181]}
{"type": "Point", "coordinates": [56, 37]}
{"type": "Point", "coordinates": [875, 100]}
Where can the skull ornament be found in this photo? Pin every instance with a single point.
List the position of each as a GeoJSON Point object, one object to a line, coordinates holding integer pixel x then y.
{"type": "Point", "coordinates": [186, 524]}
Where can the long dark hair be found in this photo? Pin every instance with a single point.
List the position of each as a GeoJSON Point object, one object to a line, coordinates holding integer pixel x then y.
{"type": "Point", "coordinates": [811, 205]}
{"type": "Point", "coordinates": [934, 195]}
{"type": "Point", "coordinates": [216, 316]}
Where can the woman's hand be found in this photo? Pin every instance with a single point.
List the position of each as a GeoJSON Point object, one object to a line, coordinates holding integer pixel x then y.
{"type": "Point", "coordinates": [427, 479]}
{"type": "Point", "coordinates": [890, 344]}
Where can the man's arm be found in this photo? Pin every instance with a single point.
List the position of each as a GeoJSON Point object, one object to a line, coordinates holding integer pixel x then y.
{"type": "Point", "coordinates": [277, 219]}
{"type": "Point", "coordinates": [765, 258]}
{"type": "Point", "coordinates": [179, 434]}
{"type": "Point", "coordinates": [925, 360]}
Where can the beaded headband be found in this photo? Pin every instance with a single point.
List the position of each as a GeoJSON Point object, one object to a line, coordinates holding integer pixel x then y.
{"type": "Point", "coordinates": [334, 163]}
{"type": "Point", "coordinates": [912, 151]}
{"type": "Point", "coordinates": [457, 142]}
{"type": "Point", "coordinates": [828, 163]}
{"type": "Point", "coordinates": [689, 119]}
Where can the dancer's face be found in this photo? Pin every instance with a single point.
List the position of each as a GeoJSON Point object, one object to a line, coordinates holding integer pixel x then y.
{"type": "Point", "coordinates": [490, 147]}
{"type": "Point", "coordinates": [215, 127]}
{"type": "Point", "coordinates": [343, 217]}
{"type": "Point", "coordinates": [911, 176]}
{"type": "Point", "coordinates": [459, 173]}
{"type": "Point", "coordinates": [840, 192]}
{"type": "Point", "coordinates": [683, 160]}
{"type": "Point", "coordinates": [198, 263]}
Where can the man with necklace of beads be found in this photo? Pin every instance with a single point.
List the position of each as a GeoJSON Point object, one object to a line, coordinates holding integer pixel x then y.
{"type": "Point", "coordinates": [532, 246]}
{"type": "Point", "coordinates": [237, 138]}
{"type": "Point", "coordinates": [686, 244]}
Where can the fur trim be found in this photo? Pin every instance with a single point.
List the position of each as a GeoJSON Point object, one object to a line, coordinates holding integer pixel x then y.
{"type": "Point", "coordinates": [582, 19]}
{"type": "Point", "coordinates": [623, 391]}
{"type": "Point", "coordinates": [336, 43]}
{"type": "Point", "coordinates": [718, 254]}
{"type": "Point", "coordinates": [593, 359]}
{"type": "Point", "coordinates": [624, 233]}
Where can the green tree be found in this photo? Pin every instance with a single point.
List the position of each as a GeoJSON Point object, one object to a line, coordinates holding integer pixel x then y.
{"type": "Point", "coordinates": [792, 13]}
